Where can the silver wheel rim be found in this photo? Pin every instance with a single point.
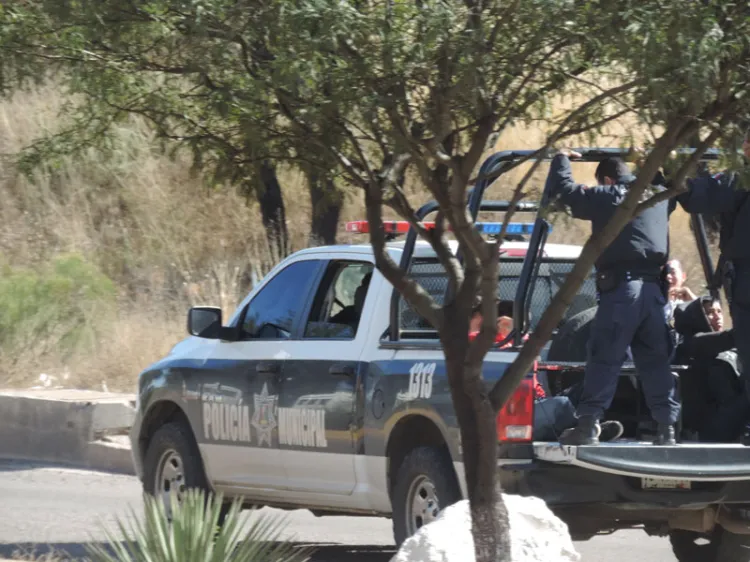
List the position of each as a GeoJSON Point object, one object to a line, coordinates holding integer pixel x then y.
{"type": "Point", "coordinates": [422, 504]}
{"type": "Point", "coordinates": [170, 479]}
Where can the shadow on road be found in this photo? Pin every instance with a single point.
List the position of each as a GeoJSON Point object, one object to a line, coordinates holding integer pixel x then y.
{"type": "Point", "coordinates": [77, 552]}
{"type": "Point", "coordinates": [19, 465]}
{"type": "Point", "coordinates": [11, 465]}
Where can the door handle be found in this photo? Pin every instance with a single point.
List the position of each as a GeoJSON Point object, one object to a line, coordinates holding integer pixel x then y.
{"type": "Point", "coordinates": [341, 370]}
{"type": "Point", "coordinates": [268, 367]}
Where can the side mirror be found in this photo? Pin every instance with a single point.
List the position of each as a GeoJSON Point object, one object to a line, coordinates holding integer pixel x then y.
{"type": "Point", "coordinates": [205, 322]}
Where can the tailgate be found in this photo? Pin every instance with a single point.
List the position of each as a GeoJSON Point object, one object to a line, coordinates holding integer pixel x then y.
{"type": "Point", "coordinates": [705, 462]}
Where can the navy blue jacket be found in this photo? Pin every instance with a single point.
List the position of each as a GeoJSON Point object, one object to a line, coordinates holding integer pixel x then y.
{"type": "Point", "coordinates": [722, 194]}
{"type": "Point", "coordinates": [642, 246]}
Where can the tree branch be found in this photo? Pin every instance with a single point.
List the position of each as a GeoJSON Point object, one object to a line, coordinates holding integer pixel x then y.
{"type": "Point", "coordinates": [410, 290]}
{"type": "Point", "coordinates": [435, 237]}
{"type": "Point", "coordinates": [678, 181]}
{"type": "Point", "coordinates": [487, 287]}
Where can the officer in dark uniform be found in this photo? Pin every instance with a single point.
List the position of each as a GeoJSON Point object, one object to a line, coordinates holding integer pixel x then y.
{"type": "Point", "coordinates": [631, 300]}
{"type": "Point", "coordinates": [722, 194]}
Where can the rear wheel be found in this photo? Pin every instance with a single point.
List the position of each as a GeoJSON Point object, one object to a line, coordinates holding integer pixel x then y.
{"type": "Point", "coordinates": [717, 546]}
{"type": "Point", "coordinates": [425, 484]}
{"type": "Point", "coordinates": [173, 465]}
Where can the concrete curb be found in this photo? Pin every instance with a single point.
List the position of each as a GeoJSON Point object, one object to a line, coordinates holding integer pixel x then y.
{"type": "Point", "coordinates": [110, 457]}
{"type": "Point", "coordinates": [67, 426]}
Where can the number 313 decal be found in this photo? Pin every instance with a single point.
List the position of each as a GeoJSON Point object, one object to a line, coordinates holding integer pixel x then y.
{"type": "Point", "coordinates": [420, 380]}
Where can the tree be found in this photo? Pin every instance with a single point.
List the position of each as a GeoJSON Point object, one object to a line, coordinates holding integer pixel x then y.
{"type": "Point", "coordinates": [182, 66]}
{"type": "Point", "coordinates": [420, 88]}
{"type": "Point", "coordinates": [388, 89]}
{"type": "Point", "coordinates": [692, 59]}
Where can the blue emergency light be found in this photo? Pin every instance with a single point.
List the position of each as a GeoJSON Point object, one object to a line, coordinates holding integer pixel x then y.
{"type": "Point", "coordinates": [513, 227]}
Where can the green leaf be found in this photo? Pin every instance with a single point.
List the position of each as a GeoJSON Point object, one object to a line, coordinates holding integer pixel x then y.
{"type": "Point", "coordinates": [193, 534]}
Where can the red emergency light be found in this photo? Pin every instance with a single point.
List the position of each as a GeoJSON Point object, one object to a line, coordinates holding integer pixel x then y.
{"type": "Point", "coordinates": [390, 227]}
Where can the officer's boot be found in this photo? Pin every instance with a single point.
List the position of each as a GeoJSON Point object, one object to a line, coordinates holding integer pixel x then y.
{"type": "Point", "coordinates": [611, 430]}
{"type": "Point", "coordinates": [585, 433]}
{"type": "Point", "coordinates": [665, 435]}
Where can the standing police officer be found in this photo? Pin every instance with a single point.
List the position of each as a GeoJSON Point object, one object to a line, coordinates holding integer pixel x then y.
{"type": "Point", "coordinates": [631, 300]}
{"type": "Point", "coordinates": [723, 194]}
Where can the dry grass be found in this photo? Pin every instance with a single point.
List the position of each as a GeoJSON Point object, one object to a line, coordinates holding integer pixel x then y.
{"type": "Point", "coordinates": [158, 233]}
{"type": "Point", "coordinates": [166, 241]}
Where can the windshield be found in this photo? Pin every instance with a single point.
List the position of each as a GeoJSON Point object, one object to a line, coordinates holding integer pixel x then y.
{"type": "Point", "coordinates": [429, 273]}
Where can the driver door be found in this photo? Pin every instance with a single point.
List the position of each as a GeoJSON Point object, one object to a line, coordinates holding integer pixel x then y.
{"type": "Point", "coordinates": [241, 389]}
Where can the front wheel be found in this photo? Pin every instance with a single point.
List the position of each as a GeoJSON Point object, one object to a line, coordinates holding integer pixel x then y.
{"type": "Point", "coordinates": [717, 546]}
{"type": "Point", "coordinates": [173, 465]}
{"type": "Point", "coordinates": [425, 483]}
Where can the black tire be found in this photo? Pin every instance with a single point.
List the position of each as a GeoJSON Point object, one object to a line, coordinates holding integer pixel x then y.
{"type": "Point", "coordinates": [422, 467]}
{"type": "Point", "coordinates": [571, 341]}
{"type": "Point", "coordinates": [580, 302]}
{"type": "Point", "coordinates": [718, 546]}
{"type": "Point", "coordinates": [570, 344]}
{"type": "Point", "coordinates": [176, 437]}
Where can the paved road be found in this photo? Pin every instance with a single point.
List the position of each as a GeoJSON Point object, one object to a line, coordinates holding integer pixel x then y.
{"type": "Point", "coordinates": [43, 507]}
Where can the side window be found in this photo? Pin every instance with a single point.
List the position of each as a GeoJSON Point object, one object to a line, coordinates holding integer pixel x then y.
{"type": "Point", "coordinates": [337, 307]}
{"type": "Point", "coordinates": [271, 313]}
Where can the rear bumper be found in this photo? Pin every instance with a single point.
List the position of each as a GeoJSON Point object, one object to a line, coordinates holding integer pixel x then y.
{"type": "Point", "coordinates": [693, 462]}
{"type": "Point", "coordinates": [593, 492]}
{"type": "Point", "coordinates": [613, 486]}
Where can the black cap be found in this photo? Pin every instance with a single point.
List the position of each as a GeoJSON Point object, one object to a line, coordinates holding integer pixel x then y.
{"type": "Point", "coordinates": [613, 168]}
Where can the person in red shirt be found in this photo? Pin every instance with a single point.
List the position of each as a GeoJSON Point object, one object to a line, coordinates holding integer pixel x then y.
{"type": "Point", "coordinates": [554, 414]}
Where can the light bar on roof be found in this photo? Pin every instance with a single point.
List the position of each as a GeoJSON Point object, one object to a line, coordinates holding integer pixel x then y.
{"type": "Point", "coordinates": [402, 227]}
{"type": "Point", "coordinates": [513, 227]}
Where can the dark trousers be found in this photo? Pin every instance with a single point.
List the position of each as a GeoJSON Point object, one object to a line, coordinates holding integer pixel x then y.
{"type": "Point", "coordinates": [552, 416]}
{"type": "Point", "coordinates": [727, 422]}
{"type": "Point", "coordinates": [632, 315]}
{"type": "Point", "coordinates": [740, 311]}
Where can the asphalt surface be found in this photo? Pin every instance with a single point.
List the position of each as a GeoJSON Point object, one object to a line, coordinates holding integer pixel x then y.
{"type": "Point", "coordinates": [45, 508]}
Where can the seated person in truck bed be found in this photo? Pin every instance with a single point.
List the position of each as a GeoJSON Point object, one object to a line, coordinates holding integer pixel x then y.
{"type": "Point", "coordinates": [552, 414]}
{"type": "Point", "coordinates": [714, 404]}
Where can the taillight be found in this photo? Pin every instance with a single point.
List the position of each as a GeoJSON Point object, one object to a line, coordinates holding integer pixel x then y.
{"type": "Point", "coordinates": [515, 421]}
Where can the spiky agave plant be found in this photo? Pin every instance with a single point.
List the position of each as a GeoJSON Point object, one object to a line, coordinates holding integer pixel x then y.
{"type": "Point", "coordinates": [194, 535]}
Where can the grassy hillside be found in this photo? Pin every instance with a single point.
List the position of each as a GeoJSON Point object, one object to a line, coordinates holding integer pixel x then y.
{"type": "Point", "coordinates": [100, 258]}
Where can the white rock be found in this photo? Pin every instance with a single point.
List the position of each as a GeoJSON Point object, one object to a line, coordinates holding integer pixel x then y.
{"type": "Point", "coordinates": [536, 535]}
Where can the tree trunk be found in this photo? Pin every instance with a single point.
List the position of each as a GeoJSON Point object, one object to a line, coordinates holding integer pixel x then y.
{"type": "Point", "coordinates": [326, 202]}
{"type": "Point", "coordinates": [273, 211]}
{"type": "Point", "coordinates": [476, 420]}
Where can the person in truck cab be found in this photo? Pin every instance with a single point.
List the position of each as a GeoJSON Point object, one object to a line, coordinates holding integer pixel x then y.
{"type": "Point", "coordinates": [552, 414]}
{"type": "Point", "coordinates": [713, 401]}
{"type": "Point", "coordinates": [631, 300]}
{"type": "Point", "coordinates": [350, 314]}
{"type": "Point", "coordinates": [724, 195]}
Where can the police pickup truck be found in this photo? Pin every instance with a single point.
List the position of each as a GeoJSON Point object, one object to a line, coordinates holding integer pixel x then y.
{"type": "Point", "coordinates": [325, 391]}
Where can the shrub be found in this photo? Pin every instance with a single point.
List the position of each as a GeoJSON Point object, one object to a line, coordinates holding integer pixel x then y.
{"type": "Point", "coordinates": [193, 534]}
{"type": "Point", "coordinates": [58, 307]}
